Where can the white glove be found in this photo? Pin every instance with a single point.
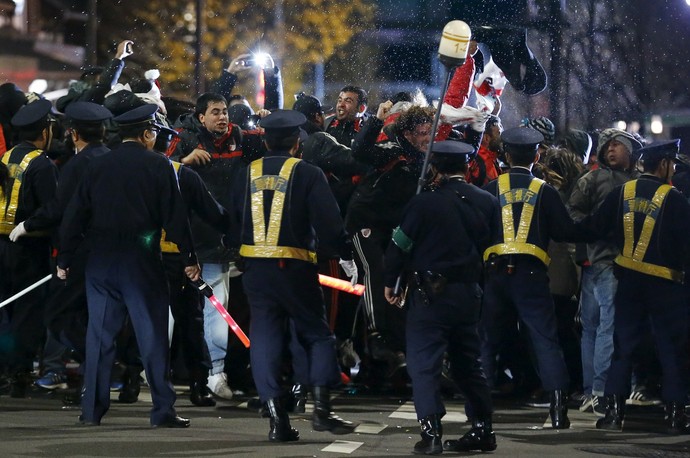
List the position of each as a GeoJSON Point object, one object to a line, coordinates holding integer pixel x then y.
{"type": "Point", "coordinates": [17, 232]}
{"type": "Point", "coordinates": [350, 269]}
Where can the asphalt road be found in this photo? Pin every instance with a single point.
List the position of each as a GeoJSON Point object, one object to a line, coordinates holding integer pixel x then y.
{"type": "Point", "coordinates": [40, 426]}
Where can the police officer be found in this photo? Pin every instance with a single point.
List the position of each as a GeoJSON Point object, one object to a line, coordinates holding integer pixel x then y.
{"type": "Point", "coordinates": [649, 221]}
{"type": "Point", "coordinates": [531, 213]}
{"type": "Point", "coordinates": [66, 313]}
{"type": "Point", "coordinates": [439, 244]}
{"type": "Point", "coordinates": [122, 203]}
{"type": "Point", "coordinates": [28, 180]}
{"type": "Point", "coordinates": [282, 206]}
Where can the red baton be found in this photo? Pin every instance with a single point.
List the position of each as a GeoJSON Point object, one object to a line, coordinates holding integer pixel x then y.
{"type": "Point", "coordinates": [341, 285]}
{"type": "Point", "coordinates": [207, 291]}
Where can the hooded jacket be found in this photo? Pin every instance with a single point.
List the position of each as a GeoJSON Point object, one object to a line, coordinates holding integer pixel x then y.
{"type": "Point", "coordinates": [593, 187]}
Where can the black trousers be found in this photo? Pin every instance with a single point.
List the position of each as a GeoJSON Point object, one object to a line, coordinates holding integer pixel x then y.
{"type": "Point", "coordinates": [643, 300]}
{"type": "Point", "coordinates": [447, 324]}
{"type": "Point", "coordinates": [23, 263]}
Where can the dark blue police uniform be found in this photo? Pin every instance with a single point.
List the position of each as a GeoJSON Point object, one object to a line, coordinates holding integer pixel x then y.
{"type": "Point", "coordinates": [439, 244]}
{"type": "Point", "coordinates": [532, 213]}
{"type": "Point", "coordinates": [649, 221]}
{"type": "Point", "coordinates": [281, 207]}
{"type": "Point", "coordinates": [122, 203]}
{"type": "Point", "coordinates": [66, 313]}
{"type": "Point", "coordinates": [29, 180]}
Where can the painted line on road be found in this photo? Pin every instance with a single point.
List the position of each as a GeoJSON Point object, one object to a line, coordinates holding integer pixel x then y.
{"type": "Point", "coordinates": [342, 447]}
{"type": "Point", "coordinates": [407, 412]}
{"type": "Point", "coordinates": [370, 428]}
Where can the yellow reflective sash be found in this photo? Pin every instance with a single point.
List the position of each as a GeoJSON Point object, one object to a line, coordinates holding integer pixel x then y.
{"type": "Point", "coordinates": [633, 253]}
{"type": "Point", "coordinates": [266, 241]}
{"type": "Point", "coordinates": [8, 204]}
{"type": "Point", "coordinates": [516, 242]}
{"type": "Point", "coordinates": [166, 245]}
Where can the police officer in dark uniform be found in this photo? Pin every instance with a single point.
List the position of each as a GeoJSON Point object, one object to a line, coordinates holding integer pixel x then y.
{"type": "Point", "coordinates": [649, 221]}
{"type": "Point", "coordinates": [28, 180]}
{"type": "Point", "coordinates": [126, 198]}
{"type": "Point", "coordinates": [532, 213]}
{"type": "Point", "coordinates": [439, 244]}
{"type": "Point", "coordinates": [66, 314]}
{"type": "Point", "coordinates": [281, 206]}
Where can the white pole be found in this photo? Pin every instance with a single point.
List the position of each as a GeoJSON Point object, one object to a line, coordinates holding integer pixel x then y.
{"type": "Point", "coordinates": [27, 290]}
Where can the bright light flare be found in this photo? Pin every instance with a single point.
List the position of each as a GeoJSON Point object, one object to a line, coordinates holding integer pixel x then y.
{"type": "Point", "coordinates": [657, 125]}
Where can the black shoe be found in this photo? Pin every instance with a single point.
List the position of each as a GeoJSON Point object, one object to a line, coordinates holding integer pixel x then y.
{"type": "Point", "coordinates": [200, 395]}
{"type": "Point", "coordinates": [280, 431]}
{"type": "Point", "coordinates": [480, 437]}
{"type": "Point", "coordinates": [323, 419]}
{"type": "Point", "coordinates": [615, 412]}
{"type": "Point", "coordinates": [173, 422]}
{"type": "Point", "coordinates": [83, 422]}
{"type": "Point", "coordinates": [432, 433]}
{"type": "Point", "coordinates": [559, 410]}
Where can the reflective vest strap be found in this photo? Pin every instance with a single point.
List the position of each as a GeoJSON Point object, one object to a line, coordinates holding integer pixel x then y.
{"type": "Point", "coordinates": [506, 209]}
{"type": "Point", "coordinates": [518, 248]}
{"type": "Point", "coordinates": [279, 202]}
{"type": "Point", "coordinates": [649, 222]}
{"type": "Point", "coordinates": [516, 243]}
{"type": "Point", "coordinates": [629, 219]}
{"type": "Point", "coordinates": [528, 210]}
{"type": "Point", "coordinates": [257, 202]}
{"type": "Point", "coordinates": [650, 269]}
{"type": "Point", "coordinates": [260, 183]}
{"type": "Point", "coordinates": [8, 210]}
{"type": "Point", "coordinates": [261, 251]}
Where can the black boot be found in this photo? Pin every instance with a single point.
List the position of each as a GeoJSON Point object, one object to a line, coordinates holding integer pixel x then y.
{"type": "Point", "coordinates": [281, 431]}
{"type": "Point", "coordinates": [676, 418]}
{"type": "Point", "coordinates": [297, 399]}
{"type": "Point", "coordinates": [480, 437]}
{"type": "Point", "coordinates": [323, 419]}
{"type": "Point", "coordinates": [615, 412]}
{"type": "Point", "coordinates": [200, 395]}
{"type": "Point", "coordinates": [130, 385]}
{"type": "Point", "coordinates": [432, 432]}
{"type": "Point", "coordinates": [559, 410]}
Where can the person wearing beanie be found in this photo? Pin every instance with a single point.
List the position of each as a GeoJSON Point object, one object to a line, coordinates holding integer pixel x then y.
{"type": "Point", "coordinates": [617, 156]}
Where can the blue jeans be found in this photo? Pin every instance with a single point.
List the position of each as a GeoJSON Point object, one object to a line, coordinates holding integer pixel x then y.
{"type": "Point", "coordinates": [215, 327]}
{"type": "Point", "coordinates": [597, 312]}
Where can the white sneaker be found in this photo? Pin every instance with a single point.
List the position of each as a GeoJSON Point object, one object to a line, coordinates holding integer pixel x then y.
{"type": "Point", "coordinates": [218, 384]}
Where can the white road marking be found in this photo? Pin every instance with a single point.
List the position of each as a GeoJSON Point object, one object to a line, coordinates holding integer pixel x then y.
{"type": "Point", "coordinates": [407, 412]}
{"type": "Point", "coordinates": [342, 447]}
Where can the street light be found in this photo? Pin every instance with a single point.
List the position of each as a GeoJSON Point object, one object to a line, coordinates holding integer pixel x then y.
{"type": "Point", "coordinates": [657, 125]}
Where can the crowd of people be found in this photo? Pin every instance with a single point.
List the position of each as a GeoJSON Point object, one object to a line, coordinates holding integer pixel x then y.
{"type": "Point", "coordinates": [516, 265]}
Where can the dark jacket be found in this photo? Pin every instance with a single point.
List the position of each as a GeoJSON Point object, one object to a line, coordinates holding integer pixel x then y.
{"type": "Point", "coordinates": [381, 195]}
{"type": "Point", "coordinates": [96, 93]}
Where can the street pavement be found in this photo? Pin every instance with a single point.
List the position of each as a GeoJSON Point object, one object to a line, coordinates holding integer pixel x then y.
{"type": "Point", "coordinates": [40, 426]}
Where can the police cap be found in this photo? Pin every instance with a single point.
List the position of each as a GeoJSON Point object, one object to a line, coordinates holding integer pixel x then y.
{"type": "Point", "coordinates": [145, 114]}
{"type": "Point", "coordinates": [668, 149]}
{"type": "Point", "coordinates": [309, 105]}
{"type": "Point", "coordinates": [282, 123]}
{"type": "Point", "coordinates": [32, 113]}
{"type": "Point", "coordinates": [522, 137]}
{"type": "Point", "coordinates": [87, 112]}
{"type": "Point", "coordinates": [452, 149]}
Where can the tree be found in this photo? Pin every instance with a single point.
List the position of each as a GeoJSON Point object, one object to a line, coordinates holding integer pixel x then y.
{"type": "Point", "coordinates": [297, 33]}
